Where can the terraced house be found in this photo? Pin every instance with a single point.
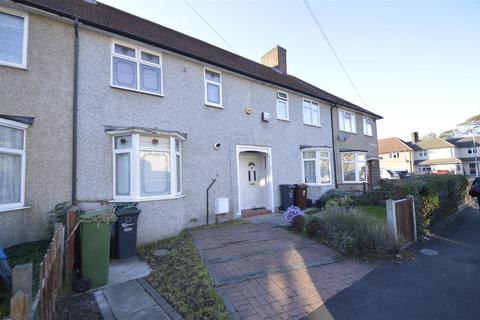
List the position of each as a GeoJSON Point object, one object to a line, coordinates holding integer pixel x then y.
{"type": "Point", "coordinates": [136, 112]}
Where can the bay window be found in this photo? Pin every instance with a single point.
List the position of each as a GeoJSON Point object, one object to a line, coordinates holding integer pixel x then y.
{"type": "Point", "coordinates": [13, 38]}
{"type": "Point", "coordinates": [311, 112]}
{"type": "Point", "coordinates": [354, 167]}
{"type": "Point", "coordinates": [347, 121]}
{"type": "Point", "coordinates": [147, 166]}
{"type": "Point", "coordinates": [12, 165]}
{"type": "Point", "coordinates": [316, 167]}
{"type": "Point", "coordinates": [136, 69]}
{"type": "Point", "coordinates": [213, 88]}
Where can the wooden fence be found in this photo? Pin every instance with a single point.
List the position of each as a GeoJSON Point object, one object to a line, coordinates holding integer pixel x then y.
{"type": "Point", "coordinates": [50, 283]}
{"type": "Point", "coordinates": [401, 219]}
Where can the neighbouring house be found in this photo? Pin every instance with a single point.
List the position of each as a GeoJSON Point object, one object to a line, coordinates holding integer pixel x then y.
{"type": "Point", "coordinates": [396, 155]}
{"type": "Point", "coordinates": [157, 115]}
{"type": "Point", "coordinates": [466, 151]}
{"type": "Point", "coordinates": [356, 148]}
{"type": "Point", "coordinates": [36, 85]}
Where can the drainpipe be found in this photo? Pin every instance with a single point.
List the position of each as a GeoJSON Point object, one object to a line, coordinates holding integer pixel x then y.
{"type": "Point", "coordinates": [74, 112]}
{"type": "Point", "coordinates": [333, 147]}
{"type": "Point", "coordinates": [208, 191]}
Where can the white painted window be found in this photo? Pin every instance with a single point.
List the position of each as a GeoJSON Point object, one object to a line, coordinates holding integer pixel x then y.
{"type": "Point", "coordinates": [12, 164]}
{"type": "Point", "coordinates": [423, 153]}
{"type": "Point", "coordinates": [472, 168]}
{"type": "Point", "coordinates": [213, 88]}
{"type": "Point", "coordinates": [347, 121]}
{"type": "Point", "coordinates": [368, 126]}
{"type": "Point", "coordinates": [146, 167]}
{"type": "Point", "coordinates": [316, 167]}
{"type": "Point", "coordinates": [136, 69]}
{"type": "Point", "coordinates": [282, 106]}
{"type": "Point", "coordinates": [13, 38]}
{"type": "Point", "coordinates": [471, 150]}
{"type": "Point", "coordinates": [354, 167]}
{"type": "Point", "coordinates": [311, 112]}
{"type": "Point", "coordinates": [394, 155]}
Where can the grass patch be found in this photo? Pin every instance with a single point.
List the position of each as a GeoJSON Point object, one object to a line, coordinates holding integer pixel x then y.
{"type": "Point", "coordinates": [24, 253]}
{"type": "Point", "coordinates": [374, 211]}
{"type": "Point", "coordinates": [182, 278]}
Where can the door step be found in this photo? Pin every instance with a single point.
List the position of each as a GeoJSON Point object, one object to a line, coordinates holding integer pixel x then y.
{"type": "Point", "coordinates": [255, 212]}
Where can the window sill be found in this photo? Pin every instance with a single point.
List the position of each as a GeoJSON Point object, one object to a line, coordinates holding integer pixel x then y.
{"type": "Point", "coordinates": [148, 199]}
{"type": "Point", "coordinates": [319, 184]}
{"type": "Point", "coordinates": [347, 131]}
{"type": "Point", "coordinates": [13, 65]}
{"type": "Point", "coordinates": [313, 125]}
{"type": "Point", "coordinates": [14, 209]}
{"type": "Point", "coordinates": [353, 182]}
{"type": "Point", "coordinates": [138, 91]}
{"type": "Point", "coordinates": [218, 106]}
{"type": "Point", "coordinates": [286, 120]}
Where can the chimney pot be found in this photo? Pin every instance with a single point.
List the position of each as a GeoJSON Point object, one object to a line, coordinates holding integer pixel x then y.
{"type": "Point", "coordinates": [276, 58]}
{"type": "Point", "coordinates": [415, 137]}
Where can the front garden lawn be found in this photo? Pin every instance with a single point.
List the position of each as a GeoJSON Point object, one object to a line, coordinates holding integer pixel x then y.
{"type": "Point", "coordinates": [182, 278]}
{"type": "Point", "coordinates": [24, 253]}
{"type": "Point", "coordinates": [374, 211]}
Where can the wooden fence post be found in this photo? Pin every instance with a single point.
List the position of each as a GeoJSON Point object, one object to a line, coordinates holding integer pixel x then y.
{"type": "Point", "coordinates": [69, 250]}
{"type": "Point", "coordinates": [412, 199]}
{"type": "Point", "coordinates": [21, 291]}
{"type": "Point", "coordinates": [19, 306]}
{"type": "Point", "coordinates": [392, 219]}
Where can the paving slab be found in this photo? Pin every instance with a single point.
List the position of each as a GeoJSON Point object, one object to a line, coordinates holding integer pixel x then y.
{"type": "Point", "coordinates": [264, 271]}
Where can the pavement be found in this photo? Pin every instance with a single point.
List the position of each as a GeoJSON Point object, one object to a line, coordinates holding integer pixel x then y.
{"type": "Point", "coordinates": [134, 300]}
{"type": "Point", "coordinates": [443, 282]}
{"type": "Point", "coordinates": [263, 271]}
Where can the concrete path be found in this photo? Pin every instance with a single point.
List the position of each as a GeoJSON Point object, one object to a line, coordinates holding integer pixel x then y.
{"type": "Point", "coordinates": [134, 300]}
{"type": "Point", "coordinates": [442, 286]}
{"type": "Point", "coordinates": [264, 271]}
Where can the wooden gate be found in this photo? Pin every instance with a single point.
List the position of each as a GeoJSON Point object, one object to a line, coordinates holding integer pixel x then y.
{"type": "Point", "coordinates": [401, 219]}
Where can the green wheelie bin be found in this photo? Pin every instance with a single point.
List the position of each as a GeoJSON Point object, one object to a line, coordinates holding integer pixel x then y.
{"type": "Point", "coordinates": [95, 228]}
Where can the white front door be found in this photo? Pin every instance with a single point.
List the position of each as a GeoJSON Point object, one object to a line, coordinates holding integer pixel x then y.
{"type": "Point", "coordinates": [252, 179]}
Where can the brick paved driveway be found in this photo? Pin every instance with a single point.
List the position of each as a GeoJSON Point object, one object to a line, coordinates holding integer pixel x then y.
{"type": "Point", "coordinates": [263, 271]}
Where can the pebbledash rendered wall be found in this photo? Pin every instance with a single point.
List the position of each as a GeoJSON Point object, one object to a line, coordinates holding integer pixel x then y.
{"type": "Point", "coordinates": [182, 109]}
{"type": "Point", "coordinates": [43, 91]}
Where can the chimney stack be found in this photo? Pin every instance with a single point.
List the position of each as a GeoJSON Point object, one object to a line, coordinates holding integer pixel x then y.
{"type": "Point", "coordinates": [276, 59]}
{"type": "Point", "coordinates": [415, 137]}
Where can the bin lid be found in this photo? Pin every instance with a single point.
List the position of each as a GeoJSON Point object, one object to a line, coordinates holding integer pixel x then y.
{"type": "Point", "coordinates": [287, 186]}
{"type": "Point", "coordinates": [301, 185]}
{"type": "Point", "coordinates": [97, 216]}
{"type": "Point", "coordinates": [130, 209]}
{"type": "Point", "coordinates": [3, 256]}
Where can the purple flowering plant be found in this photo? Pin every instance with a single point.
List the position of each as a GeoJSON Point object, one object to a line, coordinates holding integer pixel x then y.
{"type": "Point", "coordinates": [291, 213]}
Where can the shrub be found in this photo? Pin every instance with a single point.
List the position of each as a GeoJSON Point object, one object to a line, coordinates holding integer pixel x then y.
{"type": "Point", "coordinates": [352, 233]}
{"type": "Point", "coordinates": [330, 194]}
{"type": "Point", "coordinates": [298, 224]}
{"type": "Point", "coordinates": [295, 218]}
{"type": "Point", "coordinates": [314, 227]}
{"type": "Point", "coordinates": [339, 203]}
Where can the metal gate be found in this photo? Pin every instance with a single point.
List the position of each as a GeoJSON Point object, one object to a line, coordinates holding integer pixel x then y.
{"type": "Point", "coordinates": [401, 219]}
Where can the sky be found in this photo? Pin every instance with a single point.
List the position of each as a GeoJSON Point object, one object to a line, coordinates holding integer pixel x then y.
{"type": "Point", "coordinates": [416, 63]}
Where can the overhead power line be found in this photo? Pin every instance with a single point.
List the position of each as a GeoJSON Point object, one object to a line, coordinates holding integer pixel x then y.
{"type": "Point", "coordinates": [319, 26]}
{"type": "Point", "coordinates": [208, 24]}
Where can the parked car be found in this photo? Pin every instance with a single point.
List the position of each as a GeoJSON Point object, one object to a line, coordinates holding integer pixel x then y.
{"type": "Point", "coordinates": [403, 174]}
{"type": "Point", "coordinates": [388, 174]}
{"type": "Point", "coordinates": [442, 172]}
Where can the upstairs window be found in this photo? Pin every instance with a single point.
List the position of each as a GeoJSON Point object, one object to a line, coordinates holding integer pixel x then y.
{"type": "Point", "coordinates": [311, 113]}
{"type": "Point", "coordinates": [423, 153]}
{"type": "Point", "coordinates": [347, 121]}
{"type": "Point", "coordinates": [316, 168]}
{"type": "Point", "coordinates": [213, 88]}
{"type": "Point", "coordinates": [394, 155]}
{"type": "Point", "coordinates": [146, 167]}
{"type": "Point", "coordinates": [368, 126]}
{"type": "Point", "coordinates": [282, 106]}
{"type": "Point", "coordinates": [136, 69]}
{"type": "Point", "coordinates": [12, 165]}
{"type": "Point", "coordinates": [354, 167]}
{"type": "Point", "coordinates": [13, 38]}
{"type": "Point", "coordinates": [471, 150]}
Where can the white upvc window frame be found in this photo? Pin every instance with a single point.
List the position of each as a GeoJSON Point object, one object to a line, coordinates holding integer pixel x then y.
{"type": "Point", "coordinates": [312, 104]}
{"type": "Point", "coordinates": [368, 126]}
{"type": "Point", "coordinates": [394, 155]}
{"type": "Point", "coordinates": [23, 154]}
{"type": "Point", "coordinates": [318, 157]}
{"type": "Point", "coordinates": [219, 84]}
{"type": "Point", "coordinates": [138, 60]}
{"type": "Point", "coordinates": [342, 116]}
{"type": "Point", "coordinates": [135, 170]}
{"type": "Point", "coordinates": [282, 99]}
{"type": "Point", "coordinates": [423, 153]}
{"type": "Point", "coordinates": [471, 150]}
{"type": "Point", "coordinates": [356, 161]}
{"type": "Point", "coordinates": [25, 17]}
